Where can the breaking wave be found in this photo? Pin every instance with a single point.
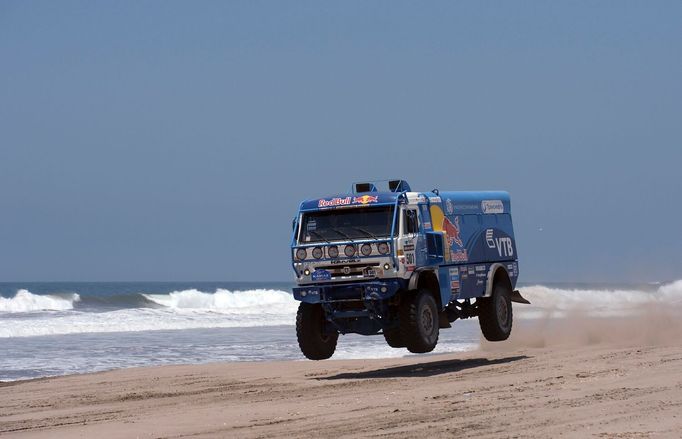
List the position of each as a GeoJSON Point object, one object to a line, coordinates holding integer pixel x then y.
{"type": "Point", "coordinates": [27, 314]}
{"type": "Point", "coordinates": [188, 309]}
{"type": "Point", "coordinates": [225, 301]}
{"type": "Point", "coordinates": [25, 301]}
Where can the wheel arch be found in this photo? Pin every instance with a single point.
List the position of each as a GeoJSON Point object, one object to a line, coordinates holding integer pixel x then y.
{"type": "Point", "coordinates": [427, 278]}
{"type": "Point", "coordinates": [497, 273]}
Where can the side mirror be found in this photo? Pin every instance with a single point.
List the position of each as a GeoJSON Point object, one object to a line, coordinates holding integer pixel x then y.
{"type": "Point", "coordinates": [293, 225]}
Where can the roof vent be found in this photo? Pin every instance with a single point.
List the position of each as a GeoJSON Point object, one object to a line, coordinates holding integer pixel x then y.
{"type": "Point", "coordinates": [364, 187]}
{"type": "Point", "coordinates": [380, 186]}
{"type": "Point", "coordinates": [398, 186]}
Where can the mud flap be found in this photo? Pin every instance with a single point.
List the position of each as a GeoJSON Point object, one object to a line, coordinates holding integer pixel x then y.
{"type": "Point", "coordinates": [516, 297]}
{"type": "Point", "coordinates": [443, 321]}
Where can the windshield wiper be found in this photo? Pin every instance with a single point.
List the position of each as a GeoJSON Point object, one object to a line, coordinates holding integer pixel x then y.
{"type": "Point", "coordinates": [342, 234]}
{"type": "Point", "coordinates": [312, 232]}
{"type": "Point", "coordinates": [366, 232]}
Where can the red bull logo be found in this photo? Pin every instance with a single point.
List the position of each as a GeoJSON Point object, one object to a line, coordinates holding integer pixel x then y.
{"type": "Point", "coordinates": [365, 199]}
{"type": "Point", "coordinates": [334, 202]}
{"type": "Point", "coordinates": [452, 231]}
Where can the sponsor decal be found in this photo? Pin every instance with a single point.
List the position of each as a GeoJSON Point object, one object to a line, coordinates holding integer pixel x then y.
{"type": "Point", "coordinates": [408, 247]}
{"type": "Point", "coordinates": [421, 198]}
{"type": "Point", "coordinates": [471, 270]}
{"type": "Point", "coordinates": [449, 206]}
{"type": "Point", "coordinates": [427, 225]}
{"type": "Point", "coordinates": [434, 199]}
{"type": "Point", "coordinates": [492, 206]}
{"type": "Point", "coordinates": [459, 256]}
{"type": "Point", "coordinates": [454, 279]}
{"type": "Point", "coordinates": [467, 206]}
{"type": "Point", "coordinates": [334, 202]}
{"type": "Point", "coordinates": [452, 231]}
{"type": "Point", "coordinates": [503, 245]}
{"type": "Point", "coordinates": [369, 272]}
{"type": "Point", "coordinates": [321, 275]}
{"type": "Point", "coordinates": [365, 199]}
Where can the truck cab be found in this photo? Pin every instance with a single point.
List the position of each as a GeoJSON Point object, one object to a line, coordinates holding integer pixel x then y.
{"type": "Point", "coordinates": [403, 264]}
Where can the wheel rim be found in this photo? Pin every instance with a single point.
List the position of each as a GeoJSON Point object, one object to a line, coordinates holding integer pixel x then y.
{"type": "Point", "coordinates": [502, 312]}
{"type": "Point", "coordinates": [427, 320]}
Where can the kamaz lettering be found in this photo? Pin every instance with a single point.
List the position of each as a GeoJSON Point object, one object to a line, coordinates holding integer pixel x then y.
{"type": "Point", "coordinates": [402, 264]}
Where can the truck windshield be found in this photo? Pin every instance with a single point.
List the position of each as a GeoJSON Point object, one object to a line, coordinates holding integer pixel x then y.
{"type": "Point", "coordinates": [347, 224]}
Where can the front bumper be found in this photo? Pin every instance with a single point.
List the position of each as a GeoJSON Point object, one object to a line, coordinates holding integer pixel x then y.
{"type": "Point", "coordinates": [375, 290]}
{"type": "Point", "coordinates": [358, 307]}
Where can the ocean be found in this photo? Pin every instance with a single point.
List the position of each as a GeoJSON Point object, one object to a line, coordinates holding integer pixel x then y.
{"type": "Point", "coordinates": [58, 328]}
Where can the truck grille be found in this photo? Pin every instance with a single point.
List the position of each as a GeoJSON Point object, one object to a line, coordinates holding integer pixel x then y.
{"type": "Point", "coordinates": [362, 270]}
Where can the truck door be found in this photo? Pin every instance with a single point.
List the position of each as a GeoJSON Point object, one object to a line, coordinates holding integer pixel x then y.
{"type": "Point", "coordinates": [412, 240]}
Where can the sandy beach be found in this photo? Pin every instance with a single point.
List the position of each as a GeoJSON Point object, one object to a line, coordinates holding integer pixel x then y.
{"type": "Point", "coordinates": [577, 378]}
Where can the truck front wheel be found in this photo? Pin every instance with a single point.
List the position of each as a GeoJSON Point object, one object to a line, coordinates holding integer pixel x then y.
{"type": "Point", "coordinates": [314, 341]}
{"type": "Point", "coordinates": [495, 313]}
{"type": "Point", "coordinates": [419, 321]}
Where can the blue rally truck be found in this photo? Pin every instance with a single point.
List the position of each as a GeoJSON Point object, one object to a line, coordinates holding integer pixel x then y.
{"type": "Point", "coordinates": [403, 264]}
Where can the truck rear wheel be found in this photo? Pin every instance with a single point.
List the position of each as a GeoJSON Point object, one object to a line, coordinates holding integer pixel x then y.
{"type": "Point", "coordinates": [314, 341]}
{"type": "Point", "coordinates": [419, 322]}
{"type": "Point", "coordinates": [394, 338]}
{"type": "Point", "coordinates": [495, 313]}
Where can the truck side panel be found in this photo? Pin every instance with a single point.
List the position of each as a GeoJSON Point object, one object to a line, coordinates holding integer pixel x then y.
{"type": "Point", "coordinates": [479, 234]}
{"type": "Point", "coordinates": [469, 281]}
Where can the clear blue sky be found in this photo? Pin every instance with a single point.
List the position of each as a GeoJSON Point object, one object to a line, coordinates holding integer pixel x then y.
{"type": "Point", "coordinates": [174, 140]}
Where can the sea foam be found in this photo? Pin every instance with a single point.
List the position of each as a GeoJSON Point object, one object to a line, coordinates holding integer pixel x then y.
{"type": "Point", "coordinates": [188, 309]}
{"type": "Point", "coordinates": [25, 301]}
{"type": "Point", "coordinates": [194, 309]}
{"type": "Point", "coordinates": [225, 301]}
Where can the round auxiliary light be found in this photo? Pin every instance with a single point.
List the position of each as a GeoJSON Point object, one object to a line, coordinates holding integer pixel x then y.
{"type": "Point", "coordinates": [317, 253]}
{"type": "Point", "coordinates": [383, 248]}
{"type": "Point", "coordinates": [386, 266]}
{"type": "Point", "coordinates": [333, 251]}
{"type": "Point", "coordinates": [301, 253]}
{"type": "Point", "coordinates": [349, 251]}
{"type": "Point", "coordinates": [366, 249]}
{"type": "Point", "coordinates": [306, 272]}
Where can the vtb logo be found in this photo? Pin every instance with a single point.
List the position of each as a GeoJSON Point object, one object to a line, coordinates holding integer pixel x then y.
{"type": "Point", "coordinates": [503, 245]}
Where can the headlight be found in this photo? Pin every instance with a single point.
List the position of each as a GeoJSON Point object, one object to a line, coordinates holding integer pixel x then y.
{"type": "Point", "coordinates": [383, 248]}
{"type": "Point", "coordinates": [301, 253]}
{"type": "Point", "coordinates": [317, 253]}
{"type": "Point", "coordinates": [349, 251]}
{"type": "Point", "coordinates": [333, 251]}
{"type": "Point", "coordinates": [306, 272]}
{"type": "Point", "coordinates": [366, 249]}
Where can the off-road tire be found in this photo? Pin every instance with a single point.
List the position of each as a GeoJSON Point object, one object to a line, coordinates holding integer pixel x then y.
{"type": "Point", "coordinates": [394, 338]}
{"type": "Point", "coordinates": [419, 321]}
{"type": "Point", "coordinates": [495, 313]}
{"type": "Point", "coordinates": [314, 342]}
